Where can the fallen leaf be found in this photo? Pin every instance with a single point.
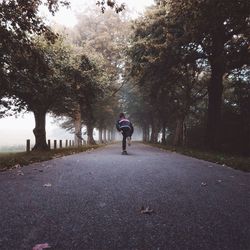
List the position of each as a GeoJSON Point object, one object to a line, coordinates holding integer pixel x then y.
{"type": "Point", "coordinates": [19, 172]}
{"type": "Point", "coordinates": [40, 170]}
{"type": "Point", "coordinates": [203, 184]}
{"type": "Point", "coordinates": [219, 181]}
{"type": "Point", "coordinates": [47, 185]}
{"type": "Point", "coordinates": [15, 167]}
{"type": "Point", "coordinates": [147, 210]}
{"type": "Point", "coordinates": [41, 246]}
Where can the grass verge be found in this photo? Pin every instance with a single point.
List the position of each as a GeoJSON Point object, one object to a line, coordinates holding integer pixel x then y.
{"type": "Point", "coordinates": [234, 161]}
{"type": "Point", "coordinates": [9, 160]}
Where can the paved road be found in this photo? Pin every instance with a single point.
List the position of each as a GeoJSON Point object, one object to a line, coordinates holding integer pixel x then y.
{"type": "Point", "coordinates": [95, 198]}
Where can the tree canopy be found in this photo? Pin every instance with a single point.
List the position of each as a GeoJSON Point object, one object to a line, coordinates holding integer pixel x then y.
{"type": "Point", "coordinates": [180, 71]}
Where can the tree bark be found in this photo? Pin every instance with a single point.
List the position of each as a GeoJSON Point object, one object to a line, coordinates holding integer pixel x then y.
{"type": "Point", "coordinates": [154, 133]}
{"type": "Point", "coordinates": [100, 135]}
{"type": "Point", "coordinates": [163, 139]}
{"type": "Point", "coordinates": [78, 127]}
{"type": "Point", "coordinates": [178, 135]}
{"type": "Point", "coordinates": [147, 133]}
{"type": "Point", "coordinates": [105, 135]}
{"type": "Point", "coordinates": [40, 130]}
{"type": "Point", "coordinates": [215, 90]}
{"type": "Point", "coordinates": [112, 135]}
{"type": "Point", "coordinates": [144, 134]}
{"type": "Point", "coordinates": [90, 130]}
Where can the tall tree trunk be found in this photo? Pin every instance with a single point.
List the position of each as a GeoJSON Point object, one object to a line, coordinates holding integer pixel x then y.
{"type": "Point", "coordinates": [178, 135]}
{"type": "Point", "coordinates": [40, 130]}
{"type": "Point", "coordinates": [154, 132]}
{"type": "Point", "coordinates": [163, 139]}
{"type": "Point", "coordinates": [112, 135]}
{"type": "Point", "coordinates": [100, 135]}
{"type": "Point", "coordinates": [90, 130]}
{"type": "Point", "coordinates": [144, 133]}
{"type": "Point", "coordinates": [105, 135]}
{"type": "Point", "coordinates": [147, 133]}
{"type": "Point", "coordinates": [78, 127]}
{"type": "Point", "coordinates": [184, 134]}
{"type": "Point", "coordinates": [215, 90]}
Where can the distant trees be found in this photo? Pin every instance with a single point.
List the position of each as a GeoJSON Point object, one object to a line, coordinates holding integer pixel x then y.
{"type": "Point", "coordinates": [180, 55]}
{"type": "Point", "coordinates": [103, 38]}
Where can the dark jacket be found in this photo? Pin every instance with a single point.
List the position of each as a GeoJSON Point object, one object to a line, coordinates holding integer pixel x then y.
{"type": "Point", "coordinates": [124, 124]}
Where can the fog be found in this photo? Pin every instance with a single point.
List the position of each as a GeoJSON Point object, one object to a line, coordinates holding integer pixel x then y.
{"type": "Point", "coordinates": [68, 16]}
{"type": "Point", "coordinates": [15, 131]}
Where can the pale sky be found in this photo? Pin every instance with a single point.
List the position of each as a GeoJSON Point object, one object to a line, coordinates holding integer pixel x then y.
{"type": "Point", "coordinates": [67, 17]}
{"type": "Point", "coordinates": [15, 131]}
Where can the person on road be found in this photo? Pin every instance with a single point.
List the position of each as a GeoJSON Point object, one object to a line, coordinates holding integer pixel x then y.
{"type": "Point", "coordinates": [126, 128]}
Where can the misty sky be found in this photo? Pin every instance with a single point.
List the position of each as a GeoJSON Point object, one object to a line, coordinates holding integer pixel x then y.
{"type": "Point", "coordinates": [68, 18]}
{"type": "Point", "coordinates": [15, 131]}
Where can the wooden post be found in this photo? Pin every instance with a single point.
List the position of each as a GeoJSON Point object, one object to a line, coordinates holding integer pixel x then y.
{"type": "Point", "coordinates": [69, 143]}
{"type": "Point", "coordinates": [60, 143]}
{"type": "Point", "coordinates": [66, 143]}
{"type": "Point", "coordinates": [28, 146]}
{"type": "Point", "coordinates": [55, 146]}
{"type": "Point", "coordinates": [49, 145]}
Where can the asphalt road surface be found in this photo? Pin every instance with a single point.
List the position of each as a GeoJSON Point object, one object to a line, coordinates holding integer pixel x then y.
{"type": "Point", "coordinates": [93, 200]}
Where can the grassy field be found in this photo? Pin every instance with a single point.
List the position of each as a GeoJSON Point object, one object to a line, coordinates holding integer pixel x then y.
{"type": "Point", "coordinates": [234, 161]}
{"type": "Point", "coordinates": [10, 160]}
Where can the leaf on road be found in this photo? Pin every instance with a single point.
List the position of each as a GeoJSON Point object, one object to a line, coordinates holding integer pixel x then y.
{"type": "Point", "coordinates": [203, 184]}
{"type": "Point", "coordinates": [15, 167]}
{"type": "Point", "coordinates": [41, 246]}
{"type": "Point", "coordinates": [146, 210]}
{"type": "Point", "coordinates": [219, 181]}
{"type": "Point", "coordinates": [20, 172]}
{"type": "Point", "coordinates": [47, 185]}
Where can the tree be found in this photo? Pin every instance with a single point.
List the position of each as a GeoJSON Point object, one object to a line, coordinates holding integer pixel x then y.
{"type": "Point", "coordinates": [168, 75]}
{"type": "Point", "coordinates": [112, 4]}
{"type": "Point", "coordinates": [102, 38]}
{"type": "Point", "coordinates": [19, 21]}
{"type": "Point", "coordinates": [220, 32]}
{"type": "Point", "coordinates": [39, 84]}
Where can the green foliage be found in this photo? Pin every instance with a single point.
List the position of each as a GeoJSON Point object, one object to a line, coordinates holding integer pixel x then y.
{"type": "Point", "coordinates": [112, 4]}
{"type": "Point", "coordinates": [19, 23]}
{"type": "Point", "coordinates": [179, 56]}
